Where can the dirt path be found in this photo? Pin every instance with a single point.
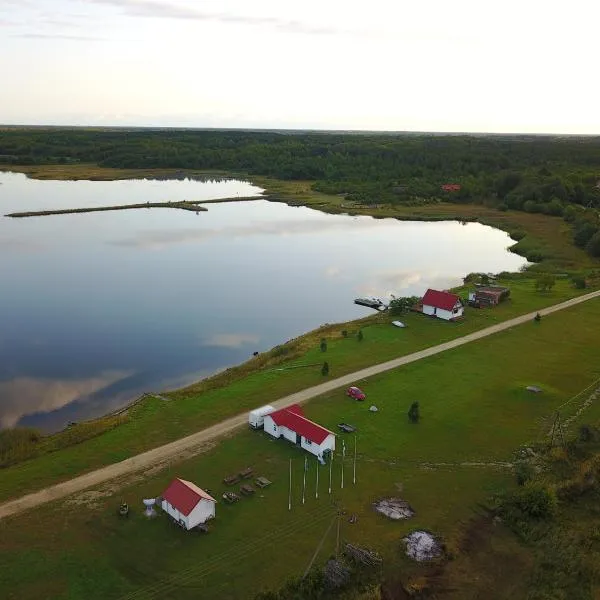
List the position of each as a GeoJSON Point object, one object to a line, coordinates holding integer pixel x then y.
{"type": "Point", "coordinates": [194, 443]}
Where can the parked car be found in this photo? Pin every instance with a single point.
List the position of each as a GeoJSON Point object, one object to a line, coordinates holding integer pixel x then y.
{"type": "Point", "coordinates": [356, 393]}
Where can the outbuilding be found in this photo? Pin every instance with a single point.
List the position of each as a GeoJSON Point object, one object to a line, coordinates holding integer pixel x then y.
{"type": "Point", "coordinates": [442, 305]}
{"type": "Point", "coordinates": [187, 504]}
{"type": "Point", "coordinates": [291, 424]}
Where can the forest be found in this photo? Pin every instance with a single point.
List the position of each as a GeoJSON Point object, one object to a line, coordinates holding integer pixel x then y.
{"type": "Point", "coordinates": [553, 175]}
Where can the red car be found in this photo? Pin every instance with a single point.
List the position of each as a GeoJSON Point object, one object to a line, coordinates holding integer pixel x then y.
{"type": "Point", "coordinates": [355, 393]}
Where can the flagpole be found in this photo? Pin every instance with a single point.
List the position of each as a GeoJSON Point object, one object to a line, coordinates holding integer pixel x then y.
{"type": "Point", "coordinates": [317, 488]}
{"type": "Point", "coordinates": [354, 474]}
{"type": "Point", "coordinates": [304, 480]}
{"type": "Point", "coordinates": [290, 494]}
{"type": "Point", "coordinates": [330, 468]}
{"type": "Point", "coordinates": [343, 456]}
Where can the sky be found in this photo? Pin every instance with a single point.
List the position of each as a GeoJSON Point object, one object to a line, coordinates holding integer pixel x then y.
{"type": "Point", "coordinates": [525, 66]}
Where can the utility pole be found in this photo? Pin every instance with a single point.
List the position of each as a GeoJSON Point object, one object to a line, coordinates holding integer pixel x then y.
{"type": "Point", "coordinates": [317, 486]}
{"type": "Point", "coordinates": [354, 472]}
{"type": "Point", "coordinates": [304, 480]}
{"type": "Point", "coordinates": [330, 469]}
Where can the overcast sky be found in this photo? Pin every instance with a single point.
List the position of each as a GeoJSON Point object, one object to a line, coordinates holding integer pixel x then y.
{"type": "Point", "coordinates": [421, 65]}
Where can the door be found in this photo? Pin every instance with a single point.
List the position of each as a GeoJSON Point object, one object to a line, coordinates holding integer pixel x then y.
{"type": "Point", "coordinates": [298, 439]}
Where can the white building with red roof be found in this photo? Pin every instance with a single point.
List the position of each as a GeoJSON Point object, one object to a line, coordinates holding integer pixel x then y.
{"type": "Point", "coordinates": [187, 504]}
{"type": "Point", "coordinates": [291, 424]}
{"type": "Point", "coordinates": [442, 305]}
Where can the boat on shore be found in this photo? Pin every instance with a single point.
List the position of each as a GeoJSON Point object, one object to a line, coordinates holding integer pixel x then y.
{"type": "Point", "coordinates": [371, 302]}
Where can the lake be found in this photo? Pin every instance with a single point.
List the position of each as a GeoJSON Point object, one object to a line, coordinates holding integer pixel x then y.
{"type": "Point", "coordinates": [98, 308]}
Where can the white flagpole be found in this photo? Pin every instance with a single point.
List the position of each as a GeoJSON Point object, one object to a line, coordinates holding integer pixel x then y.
{"type": "Point", "coordinates": [343, 456]}
{"type": "Point", "coordinates": [354, 474]}
{"type": "Point", "coordinates": [317, 488]}
{"type": "Point", "coordinates": [330, 468]}
{"type": "Point", "coordinates": [304, 480]}
{"type": "Point", "coordinates": [290, 494]}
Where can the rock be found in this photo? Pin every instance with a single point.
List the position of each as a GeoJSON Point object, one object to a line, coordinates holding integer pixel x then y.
{"type": "Point", "coordinates": [394, 508]}
{"type": "Point", "coordinates": [422, 546]}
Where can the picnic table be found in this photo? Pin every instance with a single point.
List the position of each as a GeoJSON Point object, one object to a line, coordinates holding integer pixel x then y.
{"type": "Point", "coordinates": [262, 482]}
{"type": "Point", "coordinates": [247, 490]}
{"type": "Point", "coordinates": [231, 479]}
{"type": "Point", "coordinates": [246, 473]}
{"type": "Point", "coordinates": [230, 497]}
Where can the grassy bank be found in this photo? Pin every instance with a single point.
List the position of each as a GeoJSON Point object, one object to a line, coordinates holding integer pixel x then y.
{"type": "Point", "coordinates": [475, 414]}
{"type": "Point", "coordinates": [260, 380]}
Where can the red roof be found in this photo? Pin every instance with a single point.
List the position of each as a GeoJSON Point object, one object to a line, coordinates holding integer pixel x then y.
{"type": "Point", "coordinates": [293, 418]}
{"type": "Point", "coordinates": [441, 300]}
{"type": "Point", "coordinates": [451, 187]}
{"type": "Point", "coordinates": [184, 496]}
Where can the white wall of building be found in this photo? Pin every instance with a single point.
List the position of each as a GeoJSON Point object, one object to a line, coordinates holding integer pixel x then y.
{"type": "Point", "coordinates": [204, 510]}
{"type": "Point", "coordinates": [271, 428]}
{"type": "Point", "coordinates": [318, 449]}
{"type": "Point", "coordinates": [443, 314]}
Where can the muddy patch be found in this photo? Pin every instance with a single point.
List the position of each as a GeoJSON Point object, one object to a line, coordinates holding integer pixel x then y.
{"type": "Point", "coordinates": [394, 508]}
{"type": "Point", "coordinates": [422, 546]}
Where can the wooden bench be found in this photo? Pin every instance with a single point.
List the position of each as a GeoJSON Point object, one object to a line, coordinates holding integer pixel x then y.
{"type": "Point", "coordinates": [262, 482]}
{"type": "Point", "coordinates": [246, 489]}
{"type": "Point", "coordinates": [246, 473]}
{"type": "Point", "coordinates": [231, 479]}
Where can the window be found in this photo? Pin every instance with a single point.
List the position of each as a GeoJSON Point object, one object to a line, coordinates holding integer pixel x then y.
{"type": "Point", "coordinates": [307, 442]}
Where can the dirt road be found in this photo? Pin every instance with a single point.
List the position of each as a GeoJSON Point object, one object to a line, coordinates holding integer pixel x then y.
{"type": "Point", "coordinates": [194, 443]}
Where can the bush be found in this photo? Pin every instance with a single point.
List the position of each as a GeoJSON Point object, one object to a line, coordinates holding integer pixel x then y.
{"type": "Point", "coordinates": [545, 282]}
{"type": "Point", "coordinates": [524, 472]}
{"type": "Point", "coordinates": [579, 282]}
{"type": "Point", "coordinates": [323, 345]}
{"type": "Point", "coordinates": [517, 235]}
{"type": "Point", "coordinates": [325, 369]}
{"type": "Point", "coordinates": [533, 502]}
{"type": "Point", "coordinates": [344, 333]}
{"type": "Point", "coordinates": [593, 245]}
{"type": "Point", "coordinates": [360, 336]}
{"type": "Point", "coordinates": [502, 207]}
{"type": "Point", "coordinates": [414, 413]}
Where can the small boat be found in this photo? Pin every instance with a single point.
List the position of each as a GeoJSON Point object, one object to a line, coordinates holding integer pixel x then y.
{"type": "Point", "coordinates": [370, 302]}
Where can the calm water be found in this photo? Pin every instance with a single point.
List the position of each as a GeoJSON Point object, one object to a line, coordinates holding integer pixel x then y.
{"type": "Point", "coordinates": [97, 308]}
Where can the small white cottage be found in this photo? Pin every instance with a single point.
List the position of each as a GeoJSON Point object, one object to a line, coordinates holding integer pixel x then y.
{"type": "Point", "coordinates": [442, 305]}
{"type": "Point", "coordinates": [187, 504]}
{"type": "Point", "coordinates": [291, 424]}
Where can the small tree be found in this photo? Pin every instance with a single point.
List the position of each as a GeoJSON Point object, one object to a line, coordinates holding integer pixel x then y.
{"type": "Point", "coordinates": [359, 335]}
{"type": "Point", "coordinates": [579, 282]}
{"type": "Point", "coordinates": [414, 413]}
{"type": "Point", "coordinates": [545, 282]}
{"type": "Point", "coordinates": [537, 317]}
{"type": "Point", "coordinates": [323, 345]}
{"type": "Point", "coordinates": [344, 333]}
{"type": "Point", "coordinates": [325, 369]}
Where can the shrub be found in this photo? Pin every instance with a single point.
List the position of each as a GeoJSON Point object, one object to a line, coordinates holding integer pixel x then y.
{"type": "Point", "coordinates": [414, 413]}
{"type": "Point", "coordinates": [360, 336]}
{"type": "Point", "coordinates": [517, 235]}
{"type": "Point", "coordinates": [325, 369]}
{"type": "Point", "coordinates": [531, 502]}
{"type": "Point", "coordinates": [579, 282]}
{"type": "Point", "coordinates": [344, 333]}
{"type": "Point", "coordinates": [323, 345]}
{"type": "Point", "coordinates": [524, 472]}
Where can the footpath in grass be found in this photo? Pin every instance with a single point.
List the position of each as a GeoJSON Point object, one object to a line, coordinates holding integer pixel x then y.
{"type": "Point", "coordinates": [475, 413]}
{"type": "Point", "coordinates": [154, 421]}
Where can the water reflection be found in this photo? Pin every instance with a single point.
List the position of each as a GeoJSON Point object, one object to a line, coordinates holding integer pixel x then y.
{"type": "Point", "coordinates": [98, 308]}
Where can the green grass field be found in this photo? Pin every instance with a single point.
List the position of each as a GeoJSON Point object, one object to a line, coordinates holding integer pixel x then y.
{"type": "Point", "coordinates": [154, 421]}
{"type": "Point", "coordinates": [475, 414]}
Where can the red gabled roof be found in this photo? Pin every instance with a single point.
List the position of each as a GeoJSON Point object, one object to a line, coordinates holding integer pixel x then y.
{"type": "Point", "coordinates": [451, 187]}
{"type": "Point", "coordinates": [293, 418]}
{"type": "Point", "coordinates": [184, 496]}
{"type": "Point", "coordinates": [441, 300]}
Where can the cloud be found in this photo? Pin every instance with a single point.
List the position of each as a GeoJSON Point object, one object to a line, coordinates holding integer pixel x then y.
{"type": "Point", "coordinates": [231, 340]}
{"type": "Point", "coordinates": [160, 238]}
{"type": "Point", "coordinates": [28, 395]}
{"type": "Point", "coordinates": [405, 283]}
{"type": "Point", "coordinates": [59, 36]}
{"type": "Point", "coordinates": [164, 9]}
{"type": "Point", "coordinates": [332, 272]}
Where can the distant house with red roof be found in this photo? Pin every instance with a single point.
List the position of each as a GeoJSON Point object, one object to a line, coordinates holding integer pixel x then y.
{"type": "Point", "coordinates": [291, 424]}
{"type": "Point", "coordinates": [442, 305]}
{"type": "Point", "coordinates": [187, 504]}
{"type": "Point", "coordinates": [451, 187]}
